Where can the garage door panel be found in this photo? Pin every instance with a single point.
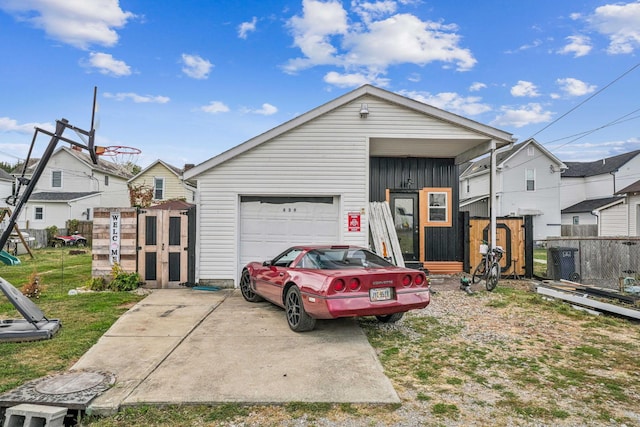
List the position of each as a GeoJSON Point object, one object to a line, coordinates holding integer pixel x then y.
{"type": "Point", "coordinates": [267, 228]}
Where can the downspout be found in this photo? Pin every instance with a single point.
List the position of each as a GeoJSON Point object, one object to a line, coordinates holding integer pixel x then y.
{"type": "Point", "coordinates": [492, 194]}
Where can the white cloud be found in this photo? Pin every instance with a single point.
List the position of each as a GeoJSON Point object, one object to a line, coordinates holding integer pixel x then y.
{"type": "Point", "coordinates": [78, 23]}
{"type": "Point", "coordinates": [524, 88]}
{"type": "Point", "coordinates": [266, 110]}
{"type": "Point", "coordinates": [354, 79]}
{"type": "Point", "coordinates": [524, 47]}
{"type": "Point", "coordinates": [476, 86]}
{"type": "Point", "coordinates": [137, 98]}
{"type": "Point", "coordinates": [247, 27]}
{"type": "Point", "coordinates": [575, 87]}
{"type": "Point", "coordinates": [370, 46]}
{"type": "Point", "coordinates": [106, 64]}
{"type": "Point", "coordinates": [450, 101]}
{"type": "Point", "coordinates": [195, 66]}
{"type": "Point", "coordinates": [215, 107]}
{"type": "Point", "coordinates": [578, 46]}
{"type": "Point", "coordinates": [11, 125]}
{"type": "Point", "coordinates": [524, 115]}
{"type": "Point", "coordinates": [619, 22]}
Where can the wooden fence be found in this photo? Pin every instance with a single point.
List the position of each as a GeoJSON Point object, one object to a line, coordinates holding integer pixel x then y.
{"type": "Point", "coordinates": [510, 235]}
{"type": "Point", "coordinates": [600, 261]}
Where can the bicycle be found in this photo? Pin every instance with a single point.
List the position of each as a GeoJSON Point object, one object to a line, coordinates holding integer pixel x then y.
{"type": "Point", "coordinates": [489, 268]}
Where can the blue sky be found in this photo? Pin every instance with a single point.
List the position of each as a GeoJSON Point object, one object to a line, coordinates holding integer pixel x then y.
{"type": "Point", "coordinates": [186, 80]}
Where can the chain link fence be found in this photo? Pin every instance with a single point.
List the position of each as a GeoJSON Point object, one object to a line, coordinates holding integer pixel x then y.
{"type": "Point", "coordinates": [606, 262]}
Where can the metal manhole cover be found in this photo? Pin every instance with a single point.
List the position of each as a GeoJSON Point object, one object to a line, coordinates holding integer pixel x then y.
{"type": "Point", "coordinates": [72, 382]}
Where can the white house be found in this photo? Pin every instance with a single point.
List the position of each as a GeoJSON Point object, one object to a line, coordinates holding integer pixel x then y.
{"type": "Point", "coordinates": [165, 181]}
{"type": "Point", "coordinates": [623, 217]}
{"type": "Point", "coordinates": [588, 181]}
{"type": "Point", "coordinates": [310, 180]}
{"type": "Point", "coordinates": [70, 187]}
{"type": "Point", "coordinates": [528, 180]}
{"type": "Point", "coordinates": [6, 187]}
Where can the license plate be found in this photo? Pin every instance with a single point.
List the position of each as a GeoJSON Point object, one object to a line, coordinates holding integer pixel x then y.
{"type": "Point", "coordinates": [380, 294]}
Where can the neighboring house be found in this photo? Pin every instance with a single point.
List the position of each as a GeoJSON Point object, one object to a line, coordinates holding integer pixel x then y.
{"type": "Point", "coordinates": [527, 183]}
{"type": "Point", "coordinates": [622, 218]}
{"type": "Point", "coordinates": [166, 182]}
{"type": "Point", "coordinates": [598, 179]}
{"type": "Point", "coordinates": [311, 179]}
{"type": "Point", "coordinates": [70, 187]}
{"type": "Point", "coordinates": [586, 212]}
{"type": "Point", "coordinates": [6, 187]}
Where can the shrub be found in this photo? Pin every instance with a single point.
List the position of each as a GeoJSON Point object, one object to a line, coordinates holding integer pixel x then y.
{"type": "Point", "coordinates": [51, 233]}
{"type": "Point", "coordinates": [123, 281]}
{"type": "Point", "coordinates": [97, 284]}
{"type": "Point", "coordinates": [73, 226]}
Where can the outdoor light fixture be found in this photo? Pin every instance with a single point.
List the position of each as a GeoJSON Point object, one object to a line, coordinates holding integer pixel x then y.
{"type": "Point", "coordinates": [364, 111]}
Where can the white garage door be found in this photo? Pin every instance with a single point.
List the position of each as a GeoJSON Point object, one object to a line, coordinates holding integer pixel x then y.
{"type": "Point", "coordinates": [269, 225]}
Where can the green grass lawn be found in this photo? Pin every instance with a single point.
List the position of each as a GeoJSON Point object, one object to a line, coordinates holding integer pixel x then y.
{"type": "Point", "coordinates": [84, 317]}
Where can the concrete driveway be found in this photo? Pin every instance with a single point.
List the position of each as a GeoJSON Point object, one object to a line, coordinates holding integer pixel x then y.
{"type": "Point", "coordinates": [184, 346]}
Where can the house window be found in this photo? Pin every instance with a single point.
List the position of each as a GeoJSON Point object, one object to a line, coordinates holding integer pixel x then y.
{"type": "Point", "coordinates": [38, 213]}
{"type": "Point", "coordinates": [467, 185]}
{"type": "Point", "coordinates": [106, 180]}
{"type": "Point", "coordinates": [531, 179]}
{"type": "Point", "coordinates": [438, 206]}
{"type": "Point", "coordinates": [158, 188]}
{"type": "Point", "coordinates": [531, 151]}
{"type": "Point", "coordinates": [56, 179]}
{"type": "Point", "coordinates": [576, 220]}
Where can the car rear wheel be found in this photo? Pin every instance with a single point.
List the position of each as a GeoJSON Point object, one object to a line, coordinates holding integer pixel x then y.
{"type": "Point", "coordinates": [297, 317]}
{"type": "Point", "coordinates": [245, 288]}
{"type": "Point", "coordinates": [390, 318]}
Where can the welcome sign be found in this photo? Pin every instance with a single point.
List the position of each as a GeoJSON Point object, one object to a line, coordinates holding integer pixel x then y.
{"type": "Point", "coordinates": [114, 247]}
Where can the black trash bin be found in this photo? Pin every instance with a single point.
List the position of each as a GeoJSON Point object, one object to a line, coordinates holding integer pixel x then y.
{"type": "Point", "coordinates": [561, 264]}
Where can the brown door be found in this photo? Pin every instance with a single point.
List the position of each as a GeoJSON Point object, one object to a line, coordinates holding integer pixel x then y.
{"type": "Point", "coordinates": [162, 254]}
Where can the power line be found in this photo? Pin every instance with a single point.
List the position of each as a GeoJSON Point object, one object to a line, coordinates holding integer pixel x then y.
{"type": "Point", "coordinates": [587, 99]}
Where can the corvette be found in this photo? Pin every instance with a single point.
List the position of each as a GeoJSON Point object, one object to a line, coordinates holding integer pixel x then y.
{"type": "Point", "coordinates": [328, 282]}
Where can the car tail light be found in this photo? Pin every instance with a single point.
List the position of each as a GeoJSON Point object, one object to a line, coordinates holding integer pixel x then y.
{"type": "Point", "coordinates": [339, 285]}
{"type": "Point", "coordinates": [406, 280]}
{"type": "Point", "coordinates": [354, 284]}
{"type": "Point", "coordinates": [419, 280]}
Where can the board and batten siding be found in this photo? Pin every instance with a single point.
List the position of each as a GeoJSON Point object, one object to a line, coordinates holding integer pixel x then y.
{"type": "Point", "coordinates": [326, 156]}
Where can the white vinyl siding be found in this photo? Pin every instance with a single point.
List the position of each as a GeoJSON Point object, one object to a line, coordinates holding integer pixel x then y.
{"type": "Point", "coordinates": [613, 221]}
{"type": "Point", "coordinates": [327, 156]}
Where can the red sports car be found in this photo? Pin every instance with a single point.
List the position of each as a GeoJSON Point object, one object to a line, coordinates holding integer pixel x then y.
{"type": "Point", "coordinates": [327, 282]}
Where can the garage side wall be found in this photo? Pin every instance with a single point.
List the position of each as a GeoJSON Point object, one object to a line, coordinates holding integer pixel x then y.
{"type": "Point", "coordinates": [326, 156]}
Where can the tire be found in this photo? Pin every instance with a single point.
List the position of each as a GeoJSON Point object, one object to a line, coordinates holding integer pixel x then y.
{"type": "Point", "coordinates": [390, 318]}
{"type": "Point", "coordinates": [81, 244]}
{"type": "Point", "coordinates": [478, 273]}
{"type": "Point", "coordinates": [57, 244]}
{"type": "Point", "coordinates": [574, 277]}
{"type": "Point", "coordinates": [493, 277]}
{"type": "Point", "coordinates": [245, 288]}
{"type": "Point", "coordinates": [297, 317]}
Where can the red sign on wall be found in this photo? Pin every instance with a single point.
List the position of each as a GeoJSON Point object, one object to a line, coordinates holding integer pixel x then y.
{"type": "Point", "coordinates": [354, 221]}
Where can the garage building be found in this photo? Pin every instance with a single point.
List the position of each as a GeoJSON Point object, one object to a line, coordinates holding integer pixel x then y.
{"type": "Point", "coordinates": [310, 181]}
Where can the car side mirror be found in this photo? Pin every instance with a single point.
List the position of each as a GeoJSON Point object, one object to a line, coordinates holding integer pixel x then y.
{"type": "Point", "coordinates": [266, 263]}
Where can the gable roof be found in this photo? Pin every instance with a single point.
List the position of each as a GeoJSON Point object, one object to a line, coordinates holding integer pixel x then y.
{"type": "Point", "coordinates": [598, 167]}
{"type": "Point", "coordinates": [4, 175]}
{"type": "Point", "coordinates": [175, 170]}
{"type": "Point", "coordinates": [501, 137]}
{"type": "Point", "coordinates": [502, 157]}
{"type": "Point", "coordinates": [633, 188]}
{"type": "Point", "coordinates": [103, 166]}
{"type": "Point", "coordinates": [592, 204]}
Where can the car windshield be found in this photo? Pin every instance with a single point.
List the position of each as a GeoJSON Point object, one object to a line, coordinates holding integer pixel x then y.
{"type": "Point", "coordinates": [341, 258]}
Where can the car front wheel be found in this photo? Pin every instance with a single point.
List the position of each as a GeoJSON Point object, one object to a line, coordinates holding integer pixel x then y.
{"type": "Point", "coordinates": [245, 288]}
{"type": "Point", "coordinates": [297, 317]}
{"type": "Point", "coordinates": [390, 318]}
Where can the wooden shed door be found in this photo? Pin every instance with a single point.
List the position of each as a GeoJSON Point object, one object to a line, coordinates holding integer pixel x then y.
{"type": "Point", "coordinates": [162, 254]}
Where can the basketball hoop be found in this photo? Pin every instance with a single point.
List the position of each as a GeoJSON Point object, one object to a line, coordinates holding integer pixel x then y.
{"type": "Point", "coordinates": [122, 156]}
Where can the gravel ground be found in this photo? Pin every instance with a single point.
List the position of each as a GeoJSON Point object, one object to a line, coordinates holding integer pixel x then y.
{"type": "Point", "coordinates": [508, 331]}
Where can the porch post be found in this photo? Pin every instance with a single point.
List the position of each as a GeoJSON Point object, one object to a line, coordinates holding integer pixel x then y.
{"type": "Point", "coordinates": [492, 194]}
